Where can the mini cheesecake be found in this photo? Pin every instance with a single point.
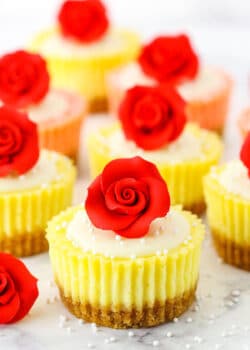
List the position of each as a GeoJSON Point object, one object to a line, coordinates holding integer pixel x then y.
{"type": "Point", "coordinates": [28, 201]}
{"type": "Point", "coordinates": [182, 163]}
{"type": "Point", "coordinates": [83, 67]}
{"type": "Point", "coordinates": [120, 282]}
{"type": "Point", "coordinates": [227, 193]}
{"type": "Point", "coordinates": [207, 95]}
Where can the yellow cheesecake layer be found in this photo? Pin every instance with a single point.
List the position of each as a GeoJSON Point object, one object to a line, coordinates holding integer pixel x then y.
{"type": "Point", "coordinates": [24, 214]}
{"type": "Point", "coordinates": [184, 179]}
{"type": "Point", "coordinates": [122, 283]}
{"type": "Point", "coordinates": [228, 213]}
{"type": "Point", "coordinates": [86, 74]}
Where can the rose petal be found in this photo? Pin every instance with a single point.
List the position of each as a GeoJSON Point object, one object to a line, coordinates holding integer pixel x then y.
{"type": "Point", "coordinates": [169, 59]}
{"type": "Point", "coordinates": [137, 169]}
{"type": "Point", "coordinates": [25, 284]}
{"type": "Point", "coordinates": [158, 130]}
{"type": "Point", "coordinates": [24, 78]}
{"type": "Point", "coordinates": [99, 214]}
{"type": "Point", "coordinates": [9, 291]}
{"type": "Point", "coordinates": [245, 153]}
{"type": "Point", "coordinates": [9, 311]}
{"type": "Point", "coordinates": [3, 281]}
{"type": "Point", "coordinates": [151, 190]}
{"type": "Point", "coordinates": [86, 21]}
{"type": "Point", "coordinates": [158, 206]}
{"type": "Point", "coordinates": [22, 158]}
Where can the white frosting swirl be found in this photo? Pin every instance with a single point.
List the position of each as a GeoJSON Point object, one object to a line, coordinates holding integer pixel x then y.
{"type": "Point", "coordinates": [188, 146]}
{"type": "Point", "coordinates": [56, 44]}
{"type": "Point", "coordinates": [207, 82]}
{"type": "Point", "coordinates": [234, 178]}
{"type": "Point", "coordinates": [41, 175]}
{"type": "Point", "coordinates": [164, 234]}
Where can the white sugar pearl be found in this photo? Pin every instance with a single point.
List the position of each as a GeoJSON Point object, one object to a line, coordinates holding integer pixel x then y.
{"type": "Point", "coordinates": [156, 343]}
{"type": "Point", "coordinates": [236, 293]}
{"type": "Point", "coordinates": [69, 330]}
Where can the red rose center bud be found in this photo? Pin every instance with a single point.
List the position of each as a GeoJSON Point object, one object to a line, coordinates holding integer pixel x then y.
{"type": "Point", "coordinates": [24, 79]}
{"type": "Point", "coordinates": [245, 153]}
{"type": "Point", "coordinates": [84, 20]}
{"type": "Point", "coordinates": [152, 116]}
{"type": "Point", "coordinates": [169, 59]}
{"type": "Point", "coordinates": [150, 113]}
{"type": "Point", "coordinates": [127, 197]}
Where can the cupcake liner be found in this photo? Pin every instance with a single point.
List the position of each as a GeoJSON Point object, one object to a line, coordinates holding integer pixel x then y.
{"type": "Point", "coordinates": [209, 113]}
{"type": "Point", "coordinates": [123, 286]}
{"type": "Point", "coordinates": [86, 75]}
{"type": "Point", "coordinates": [228, 217]}
{"type": "Point", "coordinates": [24, 214]}
{"type": "Point", "coordinates": [184, 180]}
{"type": "Point", "coordinates": [63, 134]}
{"type": "Point", "coordinates": [63, 138]}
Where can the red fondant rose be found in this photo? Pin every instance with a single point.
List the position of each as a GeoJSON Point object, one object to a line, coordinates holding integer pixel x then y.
{"type": "Point", "coordinates": [169, 59]}
{"type": "Point", "coordinates": [18, 289]}
{"type": "Point", "coordinates": [245, 153]}
{"type": "Point", "coordinates": [127, 197]}
{"type": "Point", "coordinates": [152, 116]}
{"type": "Point", "coordinates": [24, 78]}
{"type": "Point", "coordinates": [19, 149]}
{"type": "Point", "coordinates": [84, 20]}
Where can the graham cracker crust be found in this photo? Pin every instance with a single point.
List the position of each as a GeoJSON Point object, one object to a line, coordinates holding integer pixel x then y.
{"type": "Point", "coordinates": [196, 208]}
{"type": "Point", "coordinates": [231, 252]}
{"type": "Point", "coordinates": [26, 244]}
{"type": "Point", "coordinates": [73, 157]}
{"type": "Point", "coordinates": [120, 319]}
{"type": "Point", "coordinates": [98, 104]}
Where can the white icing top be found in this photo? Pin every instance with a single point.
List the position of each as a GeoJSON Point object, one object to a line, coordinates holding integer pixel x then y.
{"type": "Point", "coordinates": [57, 44]}
{"type": "Point", "coordinates": [187, 147]}
{"type": "Point", "coordinates": [164, 234]}
{"type": "Point", "coordinates": [43, 173]}
{"type": "Point", "coordinates": [131, 75]}
{"type": "Point", "coordinates": [53, 106]}
{"type": "Point", "coordinates": [234, 178]}
{"type": "Point", "coordinates": [208, 81]}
